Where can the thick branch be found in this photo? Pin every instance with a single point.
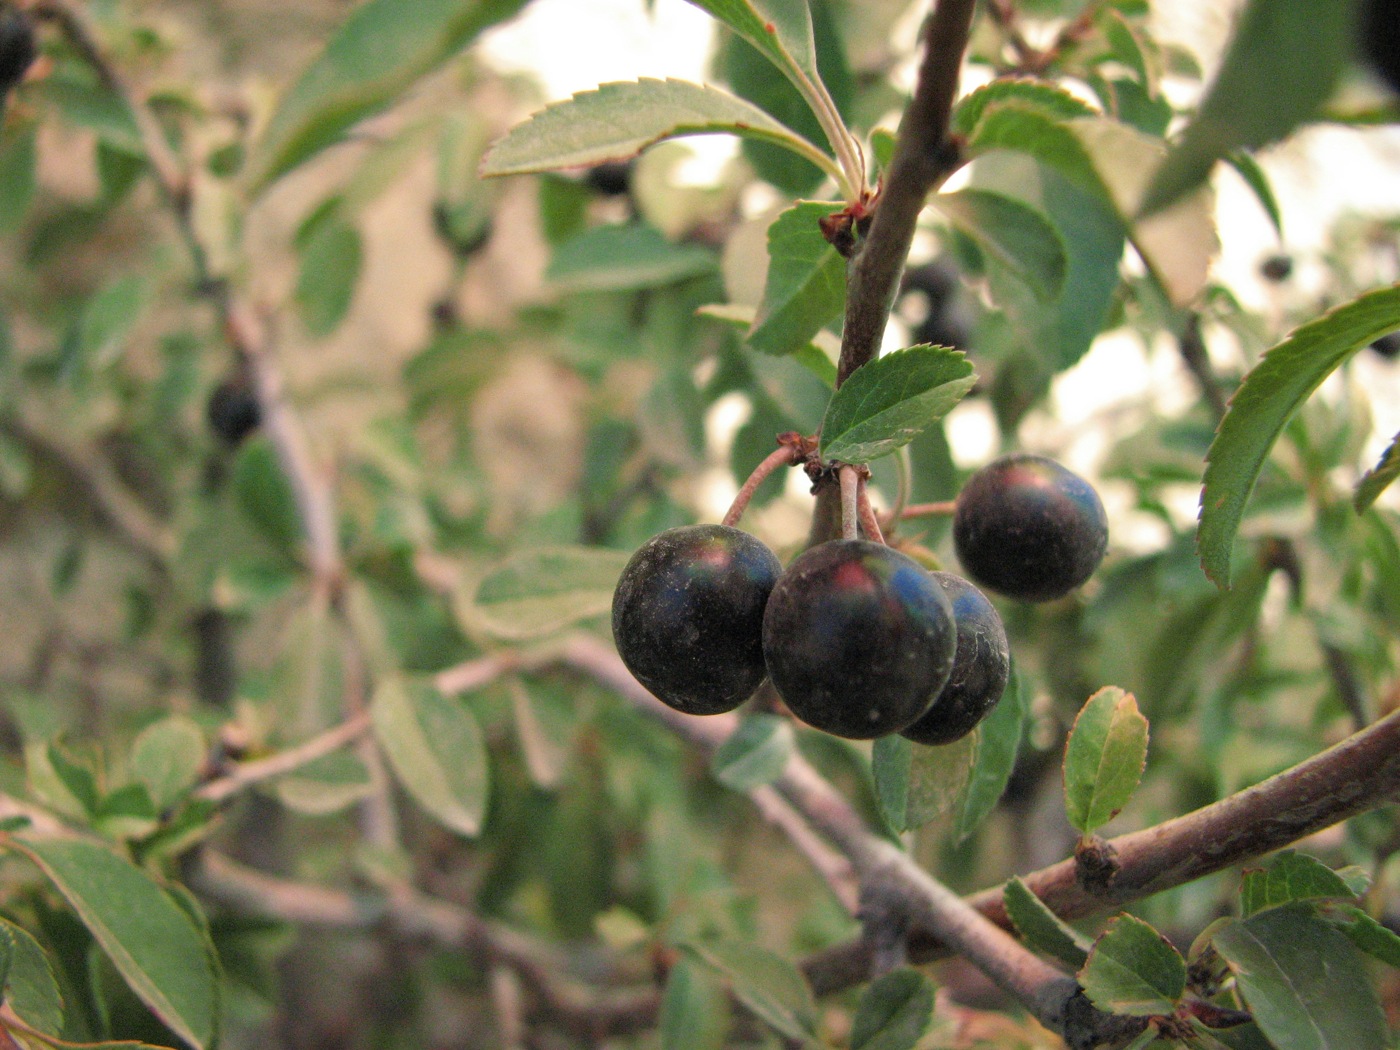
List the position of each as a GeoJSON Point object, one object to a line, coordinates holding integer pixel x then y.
{"type": "Point", "coordinates": [1359, 774]}
{"type": "Point", "coordinates": [923, 158]}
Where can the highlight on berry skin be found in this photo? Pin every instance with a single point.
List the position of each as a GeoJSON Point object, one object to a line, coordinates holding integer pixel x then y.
{"type": "Point", "coordinates": [687, 616]}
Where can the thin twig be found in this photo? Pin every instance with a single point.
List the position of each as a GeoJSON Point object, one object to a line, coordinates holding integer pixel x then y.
{"type": "Point", "coordinates": [785, 456]}
{"type": "Point", "coordinates": [473, 674]}
{"type": "Point", "coordinates": [868, 521]}
{"type": "Point", "coordinates": [941, 509]}
{"type": "Point", "coordinates": [850, 483]}
{"type": "Point", "coordinates": [245, 774]}
{"type": "Point", "coordinates": [311, 489]}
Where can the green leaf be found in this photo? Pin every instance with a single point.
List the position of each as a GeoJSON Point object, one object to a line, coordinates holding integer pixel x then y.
{"type": "Point", "coordinates": [1134, 970]}
{"type": "Point", "coordinates": [767, 984]}
{"type": "Point", "coordinates": [30, 988]}
{"type": "Point", "coordinates": [998, 742]}
{"type": "Point", "coordinates": [889, 402]}
{"type": "Point", "coordinates": [537, 592]}
{"type": "Point", "coordinates": [806, 285]}
{"type": "Point", "coordinates": [265, 496]}
{"type": "Point", "coordinates": [544, 721]}
{"type": "Point", "coordinates": [152, 940]}
{"type": "Point", "coordinates": [1036, 94]}
{"type": "Point", "coordinates": [694, 1009]}
{"type": "Point", "coordinates": [1291, 877]}
{"type": "Point", "coordinates": [105, 324]}
{"type": "Point", "coordinates": [331, 260]}
{"type": "Point", "coordinates": [382, 48]}
{"type": "Point", "coordinates": [167, 756]}
{"type": "Point", "coordinates": [1366, 933]}
{"type": "Point", "coordinates": [755, 753]}
{"type": "Point", "coordinates": [325, 786]}
{"type": "Point", "coordinates": [894, 1012]}
{"type": "Point", "coordinates": [1283, 63]}
{"type": "Point", "coordinates": [619, 120]}
{"type": "Point", "coordinates": [1303, 981]}
{"type": "Point", "coordinates": [1104, 758]}
{"type": "Point", "coordinates": [436, 749]}
{"type": "Point", "coordinates": [818, 356]}
{"type": "Point", "coordinates": [1049, 138]}
{"type": "Point", "coordinates": [915, 784]}
{"type": "Point", "coordinates": [1378, 478]}
{"type": "Point", "coordinates": [1041, 928]}
{"type": "Point", "coordinates": [621, 258]}
{"type": "Point", "coordinates": [780, 29]}
{"type": "Point", "coordinates": [18, 160]}
{"type": "Point", "coordinates": [1270, 394]}
{"type": "Point", "coordinates": [1021, 238]}
{"type": "Point", "coordinates": [1257, 179]}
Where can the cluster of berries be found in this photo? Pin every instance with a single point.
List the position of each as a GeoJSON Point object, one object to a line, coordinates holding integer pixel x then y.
{"type": "Point", "coordinates": [857, 638]}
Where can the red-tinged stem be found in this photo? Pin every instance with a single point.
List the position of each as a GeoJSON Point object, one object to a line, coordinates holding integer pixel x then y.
{"type": "Point", "coordinates": [786, 456]}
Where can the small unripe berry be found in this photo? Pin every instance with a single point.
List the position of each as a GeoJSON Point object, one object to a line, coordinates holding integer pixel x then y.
{"type": "Point", "coordinates": [1028, 528]}
{"type": "Point", "coordinates": [858, 639]}
{"type": "Point", "coordinates": [981, 667]}
{"type": "Point", "coordinates": [687, 616]}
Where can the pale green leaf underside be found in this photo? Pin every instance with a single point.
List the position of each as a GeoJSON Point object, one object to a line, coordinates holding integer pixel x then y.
{"type": "Point", "coordinates": [769, 985]}
{"type": "Point", "coordinates": [1289, 877]}
{"type": "Point", "coordinates": [894, 1012]}
{"type": "Point", "coordinates": [915, 784]}
{"type": "Point", "coordinates": [1133, 970]}
{"type": "Point", "coordinates": [546, 589]}
{"type": "Point", "coordinates": [151, 940]}
{"type": "Point", "coordinates": [436, 749]}
{"type": "Point", "coordinates": [998, 742]}
{"type": "Point", "coordinates": [889, 402]}
{"type": "Point", "coordinates": [1270, 394]}
{"type": "Point", "coordinates": [619, 120]}
{"type": "Point", "coordinates": [1104, 758]}
{"type": "Point", "coordinates": [755, 753]}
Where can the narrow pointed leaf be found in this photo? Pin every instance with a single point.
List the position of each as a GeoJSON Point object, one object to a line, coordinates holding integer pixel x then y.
{"type": "Point", "coordinates": [1282, 64]}
{"type": "Point", "coordinates": [620, 119]}
{"type": "Point", "coordinates": [915, 784]}
{"type": "Point", "coordinates": [1041, 928]}
{"type": "Point", "coordinates": [30, 988]}
{"type": "Point", "coordinates": [781, 29]}
{"type": "Point", "coordinates": [151, 939]}
{"type": "Point", "coordinates": [894, 1012]}
{"type": "Point", "coordinates": [1291, 877]}
{"type": "Point", "coordinates": [382, 47]}
{"type": "Point", "coordinates": [1378, 478]}
{"type": "Point", "coordinates": [1303, 980]}
{"type": "Point", "coordinates": [1133, 970]}
{"type": "Point", "coordinates": [1270, 394]}
{"type": "Point", "coordinates": [1021, 238]}
{"type": "Point", "coordinates": [1104, 758]}
{"type": "Point", "coordinates": [436, 749]}
{"type": "Point", "coordinates": [1257, 179]}
{"type": "Point", "coordinates": [889, 402]}
{"type": "Point", "coordinates": [769, 985]}
{"type": "Point", "coordinates": [547, 589]}
{"type": "Point", "coordinates": [806, 285]}
{"type": "Point", "coordinates": [998, 742]}
{"type": "Point", "coordinates": [756, 753]}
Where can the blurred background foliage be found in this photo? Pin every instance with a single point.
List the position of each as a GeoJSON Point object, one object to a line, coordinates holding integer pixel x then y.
{"type": "Point", "coordinates": [487, 368]}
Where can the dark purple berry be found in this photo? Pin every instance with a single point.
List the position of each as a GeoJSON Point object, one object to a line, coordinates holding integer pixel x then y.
{"type": "Point", "coordinates": [233, 412]}
{"type": "Point", "coordinates": [1388, 346]}
{"type": "Point", "coordinates": [1379, 32]}
{"type": "Point", "coordinates": [858, 639]}
{"type": "Point", "coordinates": [612, 178]}
{"type": "Point", "coordinates": [1276, 268]}
{"type": "Point", "coordinates": [687, 616]}
{"type": "Point", "coordinates": [1028, 528]}
{"type": "Point", "coordinates": [981, 667]}
{"type": "Point", "coordinates": [17, 49]}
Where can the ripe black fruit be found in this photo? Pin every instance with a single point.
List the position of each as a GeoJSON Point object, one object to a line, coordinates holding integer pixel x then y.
{"type": "Point", "coordinates": [1388, 346]}
{"type": "Point", "coordinates": [612, 178]}
{"type": "Point", "coordinates": [17, 50]}
{"type": "Point", "coordinates": [858, 639]}
{"type": "Point", "coordinates": [944, 321]}
{"type": "Point", "coordinates": [687, 616]}
{"type": "Point", "coordinates": [1028, 528]}
{"type": "Point", "coordinates": [1379, 32]}
{"type": "Point", "coordinates": [233, 412]}
{"type": "Point", "coordinates": [981, 667]}
{"type": "Point", "coordinates": [1276, 268]}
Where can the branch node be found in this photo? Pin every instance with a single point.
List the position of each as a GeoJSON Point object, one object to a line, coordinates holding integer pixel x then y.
{"type": "Point", "coordinates": [1096, 864]}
